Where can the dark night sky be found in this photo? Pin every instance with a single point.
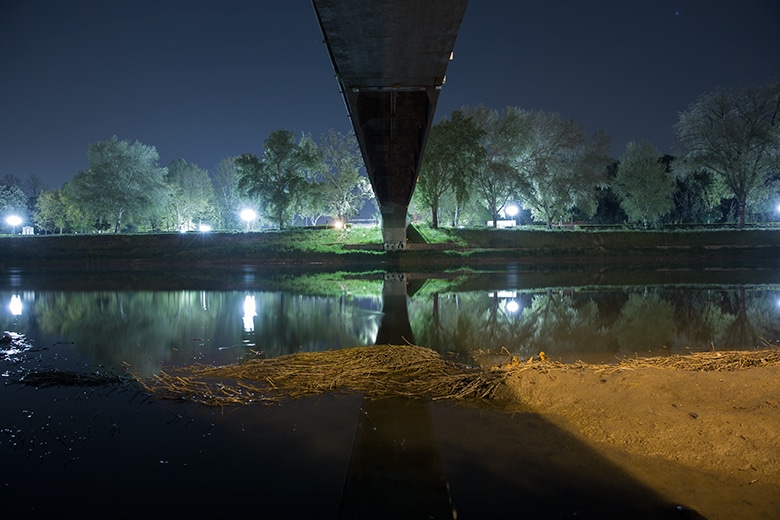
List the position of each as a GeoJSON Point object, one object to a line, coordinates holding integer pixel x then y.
{"type": "Point", "coordinates": [208, 80]}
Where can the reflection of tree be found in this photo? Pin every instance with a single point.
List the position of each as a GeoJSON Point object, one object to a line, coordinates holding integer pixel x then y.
{"type": "Point", "coordinates": [140, 328]}
{"type": "Point", "coordinates": [288, 323]}
{"type": "Point", "coordinates": [762, 309]}
{"type": "Point", "coordinates": [701, 322]}
{"type": "Point", "coordinates": [553, 323]}
{"type": "Point", "coordinates": [754, 320]}
{"type": "Point", "coordinates": [558, 325]}
{"type": "Point", "coordinates": [646, 323]}
{"type": "Point", "coordinates": [149, 328]}
{"type": "Point", "coordinates": [461, 322]}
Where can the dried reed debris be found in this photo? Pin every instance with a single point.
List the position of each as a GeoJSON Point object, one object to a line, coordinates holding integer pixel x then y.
{"type": "Point", "coordinates": [397, 371]}
{"type": "Point", "coordinates": [376, 371]}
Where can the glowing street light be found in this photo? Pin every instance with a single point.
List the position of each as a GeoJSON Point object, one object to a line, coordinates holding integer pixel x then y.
{"type": "Point", "coordinates": [248, 215]}
{"type": "Point", "coordinates": [13, 221]}
{"type": "Point", "coordinates": [512, 210]}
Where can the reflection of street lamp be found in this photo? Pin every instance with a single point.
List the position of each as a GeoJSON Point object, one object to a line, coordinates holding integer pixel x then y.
{"type": "Point", "coordinates": [250, 311]}
{"type": "Point", "coordinates": [16, 305]}
{"type": "Point", "coordinates": [248, 215]}
{"type": "Point", "coordinates": [13, 221]}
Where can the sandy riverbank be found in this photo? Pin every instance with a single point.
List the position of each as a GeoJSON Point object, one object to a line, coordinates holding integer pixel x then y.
{"type": "Point", "coordinates": [707, 439]}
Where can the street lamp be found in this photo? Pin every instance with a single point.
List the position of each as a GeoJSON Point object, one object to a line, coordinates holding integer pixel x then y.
{"type": "Point", "coordinates": [13, 221]}
{"type": "Point", "coordinates": [248, 215]}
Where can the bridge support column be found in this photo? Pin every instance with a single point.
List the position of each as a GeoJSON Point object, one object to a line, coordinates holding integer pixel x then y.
{"type": "Point", "coordinates": [394, 227]}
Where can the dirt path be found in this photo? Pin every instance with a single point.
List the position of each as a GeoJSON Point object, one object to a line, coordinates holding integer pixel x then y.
{"type": "Point", "coordinates": [710, 440]}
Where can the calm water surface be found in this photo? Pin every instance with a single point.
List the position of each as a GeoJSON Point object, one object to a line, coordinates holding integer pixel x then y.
{"type": "Point", "coordinates": [150, 329]}
{"type": "Point", "coordinates": [115, 450]}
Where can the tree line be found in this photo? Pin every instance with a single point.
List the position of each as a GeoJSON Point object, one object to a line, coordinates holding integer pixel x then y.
{"type": "Point", "coordinates": [478, 163]}
{"type": "Point", "coordinates": [126, 189]}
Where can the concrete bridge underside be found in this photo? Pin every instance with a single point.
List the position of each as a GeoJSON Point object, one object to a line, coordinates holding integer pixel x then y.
{"type": "Point", "coordinates": [390, 58]}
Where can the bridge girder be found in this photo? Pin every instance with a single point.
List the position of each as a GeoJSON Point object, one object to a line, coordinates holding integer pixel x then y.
{"type": "Point", "coordinates": [390, 58]}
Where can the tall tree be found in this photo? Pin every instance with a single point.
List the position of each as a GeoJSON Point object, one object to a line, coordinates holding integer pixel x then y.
{"type": "Point", "coordinates": [280, 177]}
{"type": "Point", "coordinates": [643, 183]}
{"type": "Point", "coordinates": [124, 178]}
{"type": "Point", "coordinates": [51, 212]}
{"type": "Point", "coordinates": [226, 195]}
{"type": "Point", "coordinates": [12, 201]}
{"type": "Point", "coordinates": [697, 196]}
{"type": "Point", "coordinates": [452, 155]}
{"type": "Point", "coordinates": [495, 176]}
{"type": "Point", "coordinates": [735, 134]}
{"type": "Point", "coordinates": [191, 195]}
{"type": "Point", "coordinates": [560, 167]}
{"type": "Point", "coordinates": [343, 189]}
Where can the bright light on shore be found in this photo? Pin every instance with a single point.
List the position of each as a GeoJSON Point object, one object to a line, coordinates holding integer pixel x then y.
{"type": "Point", "coordinates": [204, 228]}
{"type": "Point", "coordinates": [512, 210]}
{"type": "Point", "coordinates": [248, 215]}
{"type": "Point", "coordinates": [338, 224]}
{"type": "Point", "coordinates": [13, 221]}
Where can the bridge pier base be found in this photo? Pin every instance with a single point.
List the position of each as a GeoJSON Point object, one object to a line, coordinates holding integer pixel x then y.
{"type": "Point", "coordinates": [394, 228]}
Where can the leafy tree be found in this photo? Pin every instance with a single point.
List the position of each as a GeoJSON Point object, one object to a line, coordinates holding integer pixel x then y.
{"type": "Point", "coordinates": [697, 195]}
{"type": "Point", "coordinates": [608, 210]}
{"type": "Point", "coordinates": [227, 200]}
{"type": "Point", "coordinates": [279, 179]}
{"type": "Point", "coordinates": [51, 212]}
{"type": "Point", "coordinates": [560, 167]}
{"type": "Point", "coordinates": [452, 155]}
{"type": "Point", "coordinates": [191, 195]}
{"type": "Point", "coordinates": [344, 191]}
{"type": "Point", "coordinates": [77, 217]}
{"type": "Point", "coordinates": [124, 178]}
{"type": "Point", "coordinates": [643, 183]}
{"type": "Point", "coordinates": [12, 201]}
{"type": "Point", "coordinates": [495, 176]}
{"type": "Point", "coordinates": [310, 205]}
{"type": "Point", "coordinates": [735, 134]}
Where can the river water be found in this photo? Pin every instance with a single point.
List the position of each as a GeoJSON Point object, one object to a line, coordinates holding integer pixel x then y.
{"type": "Point", "coordinates": [112, 450]}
